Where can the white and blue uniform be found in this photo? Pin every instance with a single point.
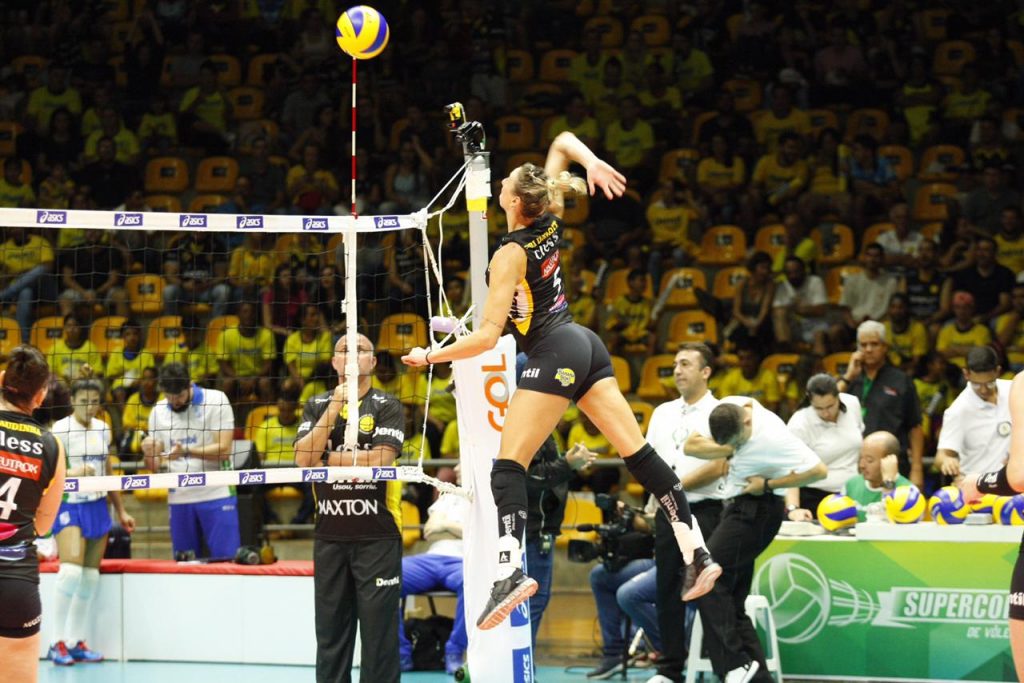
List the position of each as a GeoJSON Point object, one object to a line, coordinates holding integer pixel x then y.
{"type": "Point", "coordinates": [84, 445]}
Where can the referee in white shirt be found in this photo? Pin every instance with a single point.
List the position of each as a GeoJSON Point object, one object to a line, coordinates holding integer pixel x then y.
{"type": "Point", "coordinates": [975, 434]}
{"type": "Point", "coordinates": [670, 425]}
{"type": "Point", "coordinates": [766, 458]}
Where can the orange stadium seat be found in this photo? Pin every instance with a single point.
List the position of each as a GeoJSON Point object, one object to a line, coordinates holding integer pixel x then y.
{"type": "Point", "coordinates": [678, 164]}
{"type": "Point", "coordinates": [216, 326]}
{"type": "Point", "coordinates": [163, 202]}
{"type": "Point", "coordinates": [770, 239]}
{"type": "Point", "coordinates": [202, 203]}
{"type": "Point", "coordinates": [722, 245]}
{"type": "Point", "coordinates": [835, 363]}
{"type": "Point", "coordinates": [930, 201]}
{"type": "Point", "coordinates": [256, 417]}
{"type": "Point", "coordinates": [10, 336]}
{"type": "Point", "coordinates": [24, 63]}
{"type": "Point", "coordinates": [515, 133]}
{"type": "Point", "coordinates": [727, 281]}
{"type": "Point", "coordinates": [931, 24]}
{"type": "Point", "coordinates": [642, 411]}
{"type": "Point", "coordinates": [518, 66]}
{"type": "Point", "coordinates": [654, 28]}
{"type": "Point", "coordinates": [539, 100]}
{"type": "Point", "coordinates": [746, 92]}
{"type": "Point", "coordinates": [216, 175]}
{"type": "Point", "coordinates": [873, 122]}
{"type": "Point", "coordinates": [623, 375]}
{"type": "Point", "coordinates": [46, 331]}
{"type": "Point", "coordinates": [9, 132]}
{"type": "Point", "coordinates": [105, 334]}
{"type": "Point", "coordinates": [684, 283]}
{"type": "Point", "coordinates": [400, 332]}
{"type": "Point", "coordinates": [617, 284]}
{"type": "Point", "coordinates": [698, 122]}
{"type": "Point", "coordinates": [950, 57]}
{"type": "Point", "coordinates": [166, 175]}
{"type": "Point", "coordinates": [577, 209]}
{"type": "Point", "coordinates": [782, 364]}
{"type": "Point", "coordinates": [145, 294]}
{"type": "Point", "coordinates": [229, 70]}
{"type": "Point", "coordinates": [941, 163]}
{"type": "Point", "coordinates": [610, 29]}
{"type": "Point", "coordinates": [259, 68]}
{"type": "Point", "coordinates": [834, 280]}
{"type": "Point", "coordinates": [656, 378]}
{"type": "Point", "coordinates": [163, 335]}
{"type": "Point", "coordinates": [246, 102]}
{"type": "Point", "coordinates": [900, 158]}
{"type": "Point", "coordinates": [556, 66]}
{"type": "Point", "coordinates": [690, 326]}
{"type": "Point", "coordinates": [835, 243]}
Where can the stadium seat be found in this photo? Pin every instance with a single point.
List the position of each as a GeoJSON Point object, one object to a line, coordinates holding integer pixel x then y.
{"type": "Point", "coordinates": [556, 66]}
{"type": "Point", "coordinates": [46, 331]}
{"type": "Point", "coordinates": [229, 70]}
{"type": "Point", "coordinates": [931, 24]}
{"type": "Point", "coordinates": [698, 122]}
{"type": "Point", "coordinates": [834, 280]}
{"type": "Point", "coordinates": [163, 202]}
{"type": "Point", "coordinates": [684, 283]}
{"type": "Point", "coordinates": [654, 28]}
{"type": "Point", "coordinates": [515, 133]}
{"type": "Point", "coordinates": [539, 100]}
{"type": "Point", "coordinates": [216, 326]}
{"type": "Point", "coordinates": [105, 334]}
{"type": "Point", "coordinates": [872, 233]}
{"type": "Point", "coordinates": [167, 175]}
{"type": "Point", "coordinates": [782, 365]}
{"type": "Point", "coordinates": [932, 231]}
{"type": "Point", "coordinates": [579, 509]}
{"type": "Point", "coordinates": [400, 332]}
{"type": "Point", "coordinates": [623, 376]}
{"type": "Point", "coordinates": [656, 378]}
{"type": "Point", "coordinates": [9, 132]}
{"type": "Point", "coordinates": [519, 158]}
{"type": "Point", "coordinates": [249, 131]}
{"type": "Point", "coordinates": [821, 119]}
{"type": "Point", "coordinates": [835, 243]}
{"type": "Point", "coordinates": [900, 158]}
{"type": "Point", "coordinates": [770, 239]}
{"type": "Point", "coordinates": [518, 66]}
{"type": "Point", "coordinates": [259, 68]}
{"type": "Point", "coordinates": [145, 294]}
{"type": "Point", "coordinates": [950, 57]}
{"type": "Point", "coordinates": [246, 102]}
{"type": "Point", "coordinates": [727, 281]}
{"type": "Point", "coordinates": [217, 175]}
{"type": "Point", "coordinates": [690, 326]}
{"type": "Point", "coordinates": [835, 363]}
{"type": "Point", "coordinates": [411, 531]}
{"type": "Point", "coordinates": [930, 201]}
{"type": "Point", "coordinates": [163, 335]}
{"type": "Point", "coordinates": [873, 122]}
{"type": "Point", "coordinates": [642, 411]}
{"type": "Point", "coordinates": [24, 63]}
{"type": "Point", "coordinates": [617, 283]}
{"type": "Point", "coordinates": [722, 245]}
{"type": "Point", "coordinates": [941, 163]}
{"type": "Point", "coordinates": [577, 209]}
{"type": "Point", "coordinates": [610, 29]}
{"type": "Point", "coordinates": [120, 33]}
{"type": "Point", "coordinates": [256, 417]}
{"type": "Point", "coordinates": [120, 75]}
{"type": "Point", "coordinates": [678, 164]}
{"type": "Point", "coordinates": [204, 203]}
{"type": "Point", "coordinates": [746, 92]}
{"type": "Point", "coordinates": [10, 336]}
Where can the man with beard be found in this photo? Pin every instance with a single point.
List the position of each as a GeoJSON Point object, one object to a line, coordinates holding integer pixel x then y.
{"type": "Point", "coordinates": [929, 291]}
{"type": "Point", "coordinates": [191, 430]}
{"type": "Point", "coordinates": [799, 308]}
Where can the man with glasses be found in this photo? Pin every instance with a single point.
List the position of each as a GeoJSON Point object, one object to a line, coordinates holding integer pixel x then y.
{"type": "Point", "coordinates": [975, 434]}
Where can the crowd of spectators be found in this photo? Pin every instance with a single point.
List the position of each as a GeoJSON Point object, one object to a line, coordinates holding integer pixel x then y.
{"type": "Point", "coordinates": [794, 170]}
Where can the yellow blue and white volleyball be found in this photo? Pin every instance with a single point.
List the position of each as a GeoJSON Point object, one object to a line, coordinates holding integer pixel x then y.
{"type": "Point", "coordinates": [362, 32]}
{"type": "Point", "coordinates": [984, 504]}
{"type": "Point", "coordinates": [1009, 510]}
{"type": "Point", "coordinates": [904, 505]}
{"type": "Point", "coordinates": [837, 512]}
{"type": "Point", "coordinates": [947, 506]}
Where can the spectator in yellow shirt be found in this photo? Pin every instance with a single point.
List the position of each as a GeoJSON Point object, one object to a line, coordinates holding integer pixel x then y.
{"type": "Point", "coordinates": [691, 69]}
{"type": "Point", "coordinates": [1010, 329]}
{"type": "Point", "coordinates": [246, 354]}
{"type": "Point", "coordinates": [312, 189]}
{"type": "Point", "coordinates": [205, 111]}
{"type": "Point", "coordinates": [961, 334]}
{"type": "Point", "coordinates": [582, 306]}
{"type": "Point", "coordinates": [26, 261]}
{"type": "Point", "coordinates": [629, 321]}
{"type": "Point", "coordinates": [829, 190]}
{"type": "Point", "coordinates": [45, 100]}
{"type": "Point", "coordinates": [630, 141]}
{"type": "Point", "coordinates": [661, 102]}
{"type": "Point", "coordinates": [194, 353]}
{"type": "Point", "coordinates": [57, 189]}
{"type": "Point", "coordinates": [719, 179]}
{"type": "Point", "coordinates": [576, 120]}
{"type": "Point", "coordinates": [796, 242]}
{"type": "Point", "coordinates": [908, 338]}
{"type": "Point", "coordinates": [125, 142]}
{"type": "Point", "coordinates": [251, 267]}
{"type": "Point", "coordinates": [69, 353]}
{"type": "Point", "coordinates": [1010, 240]}
{"type": "Point", "coordinates": [781, 118]}
{"type": "Point", "coordinates": [15, 193]}
{"type": "Point", "coordinates": [780, 177]}
{"type": "Point", "coordinates": [605, 99]}
{"type": "Point", "coordinates": [668, 218]}
{"type": "Point", "coordinates": [961, 107]}
{"type": "Point", "coordinates": [274, 439]}
{"type": "Point", "coordinates": [158, 131]}
{"type": "Point", "coordinates": [135, 418]}
{"type": "Point", "coordinates": [750, 379]}
{"type": "Point", "coordinates": [125, 367]}
{"type": "Point", "coordinates": [587, 69]}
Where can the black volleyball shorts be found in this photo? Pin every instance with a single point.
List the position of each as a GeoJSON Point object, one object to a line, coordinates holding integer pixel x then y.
{"type": "Point", "coordinates": [566, 361]}
{"type": "Point", "coordinates": [22, 609]}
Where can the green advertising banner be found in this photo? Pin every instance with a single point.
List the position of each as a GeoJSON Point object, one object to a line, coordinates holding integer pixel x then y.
{"type": "Point", "coordinates": [890, 609]}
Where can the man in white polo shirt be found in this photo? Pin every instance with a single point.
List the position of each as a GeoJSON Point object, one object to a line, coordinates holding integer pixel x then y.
{"type": "Point", "coordinates": [975, 434]}
{"type": "Point", "coordinates": [190, 432]}
{"type": "Point", "coordinates": [670, 426]}
{"type": "Point", "coordinates": [766, 459]}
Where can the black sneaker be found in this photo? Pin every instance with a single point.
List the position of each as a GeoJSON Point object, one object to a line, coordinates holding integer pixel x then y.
{"type": "Point", "coordinates": [505, 596]}
{"type": "Point", "coordinates": [608, 667]}
{"type": "Point", "coordinates": [701, 575]}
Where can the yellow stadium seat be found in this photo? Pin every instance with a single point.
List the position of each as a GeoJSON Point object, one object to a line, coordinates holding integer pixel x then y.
{"type": "Point", "coordinates": [617, 284]}
{"type": "Point", "coordinates": [642, 411]}
{"type": "Point", "coordinates": [900, 158]}
{"type": "Point", "coordinates": [622, 373]}
{"type": "Point", "coordinates": [256, 417]}
{"type": "Point", "coordinates": [950, 57]}
{"type": "Point", "coordinates": [163, 203]}
{"type": "Point", "coordinates": [722, 245]}
{"type": "Point", "coordinates": [873, 122]}
{"type": "Point", "coordinates": [518, 66]}
{"type": "Point", "coordinates": [246, 102]}
{"type": "Point", "coordinates": [835, 243]}
{"type": "Point", "coordinates": [203, 203]}
{"type": "Point", "coordinates": [698, 122]}
{"type": "Point", "coordinates": [822, 119]}
{"type": "Point", "coordinates": [229, 70]}
{"type": "Point", "coordinates": [835, 363]}
{"type": "Point", "coordinates": [9, 132]}
{"type": "Point", "coordinates": [781, 364]}
{"type": "Point", "coordinates": [579, 509]}
{"type": "Point", "coordinates": [930, 201]}
{"type": "Point", "coordinates": [872, 233]}
{"type": "Point", "coordinates": [260, 66]}
{"type": "Point", "coordinates": [770, 239]}
{"type": "Point", "coordinates": [216, 175]}
{"type": "Point", "coordinates": [166, 175]}
{"type": "Point", "coordinates": [556, 66]}
{"type": "Point", "coordinates": [931, 24]}
{"type": "Point", "coordinates": [46, 331]}
{"type": "Point", "coordinates": [106, 334]}
{"type": "Point", "coordinates": [515, 133]}
{"type": "Point", "coordinates": [400, 332]}
{"type": "Point", "coordinates": [411, 531]}
{"type": "Point", "coordinates": [690, 326]}
{"type": "Point", "coordinates": [10, 336]}
{"type": "Point", "coordinates": [145, 294]}
{"type": "Point", "coordinates": [684, 283]}
{"type": "Point", "coordinates": [678, 164]}
{"type": "Point", "coordinates": [727, 281]}
{"type": "Point", "coordinates": [163, 335]}
{"type": "Point", "coordinates": [941, 163]}
{"type": "Point", "coordinates": [518, 159]}
{"type": "Point", "coordinates": [834, 280]}
{"type": "Point", "coordinates": [653, 27]}
{"type": "Point", "coordinates": [216, 326]}
{"type": "Point", "coordinates": [25, 63]}
{"type": "Point", "coordinates": [539, 99]}
{"type": "Point", "coordinates": [610, 29]}
{"type": "Point", "coordinates": [746, 92]}
{"type": "Point", "coordinates": [657, 381]}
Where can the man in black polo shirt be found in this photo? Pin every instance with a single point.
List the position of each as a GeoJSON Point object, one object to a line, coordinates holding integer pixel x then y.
{"type": "Point", "coordinates": [989, 281]}
{"type": "Point", "coordinates": [357, 550]}
{"type": "Point", "coordinates": [887, 397]}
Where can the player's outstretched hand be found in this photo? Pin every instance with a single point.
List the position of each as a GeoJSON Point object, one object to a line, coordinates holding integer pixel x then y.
{"type": "Point", "coordinates": [602, 175]}
{"type": "Point", "coordinates": [416, 358]}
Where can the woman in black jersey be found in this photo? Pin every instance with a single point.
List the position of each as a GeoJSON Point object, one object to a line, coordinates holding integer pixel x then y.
{"type": "Point", "coordinates": [565, 362]}
{"type": "Point", "coordinates": [31, 487]}
{"type": "Point", "coordinates": [1008, 481]}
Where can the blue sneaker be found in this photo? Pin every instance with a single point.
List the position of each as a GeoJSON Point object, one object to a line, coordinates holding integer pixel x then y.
{"type": "Point", "coordinates": [453, 662]}
{"type": "Point", "coordinates": [81, 653]}
{"type": "Point", "coordinates": [59, 654]}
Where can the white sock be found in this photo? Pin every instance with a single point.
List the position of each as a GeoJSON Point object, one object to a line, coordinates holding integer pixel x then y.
{"type": "Point", "coordinates": [69, 576]}
{"type": "Point", "coordinates": [78, 618]}
{"type": "Point", "coordinates": [510, 556]}
{"type": "Point", "coordinates": [687, 539]}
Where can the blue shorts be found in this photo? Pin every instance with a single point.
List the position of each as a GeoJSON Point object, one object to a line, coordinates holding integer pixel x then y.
{"type": "Point", "coordinates": [212, 521]}
{"type": "Point", "coordinates": [93, 518]}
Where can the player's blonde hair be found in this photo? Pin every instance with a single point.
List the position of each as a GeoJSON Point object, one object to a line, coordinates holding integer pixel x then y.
{"type": "Point", "coordinates": [537, 191]}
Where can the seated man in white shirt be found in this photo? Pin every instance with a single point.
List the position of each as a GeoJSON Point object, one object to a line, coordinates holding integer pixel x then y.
{"type": "Point", "coordinates": [975, 434]}
{"type": "Point", "coordinates": [799, 309]}
{"type": "Point", "coordinates": [766, 459]}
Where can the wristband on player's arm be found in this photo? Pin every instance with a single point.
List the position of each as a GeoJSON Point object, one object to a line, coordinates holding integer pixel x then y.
{"type": "Point", "coordinates": [997, 483]}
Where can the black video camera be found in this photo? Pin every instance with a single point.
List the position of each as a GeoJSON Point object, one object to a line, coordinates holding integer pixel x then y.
{"type": "Point", "coordinates": [617, 542]}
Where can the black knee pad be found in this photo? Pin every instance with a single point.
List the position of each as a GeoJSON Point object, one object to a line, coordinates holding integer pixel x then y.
{"type": "Point", "coordinates": [508, 482]}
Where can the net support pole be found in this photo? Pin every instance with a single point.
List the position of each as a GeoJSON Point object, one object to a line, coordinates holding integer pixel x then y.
{"type": "Point", "coordinates": [478, 190]}
{"type": "Point", "coordinates": [351, 340]}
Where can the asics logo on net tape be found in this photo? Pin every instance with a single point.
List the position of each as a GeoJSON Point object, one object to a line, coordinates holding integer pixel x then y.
{"type": "Point", "coordinates": [51, 217]}
{"type": "Point", "coordinates": [192, 220]}
{"type": "Point", "coordinates": [186, 480]}
{"type": "Point", "coordinates": [249, 223]}
{"type": "Point", "coordinates": [318, 474]}
{"type": "Point", "coordinates": [135, 481]}
{"type": "Point", "coordinates": [314, 223]}
{"type": "Point", "coordinates": [382, 222]}
{"type": "Point", "coordinates": [385, 473]}
{"type": "Point", "coordinates": [128, 219]}
{"type": "Point", "coordinates": [256, 477]}
{"type": "Point", "coordinates": [70, 485]}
